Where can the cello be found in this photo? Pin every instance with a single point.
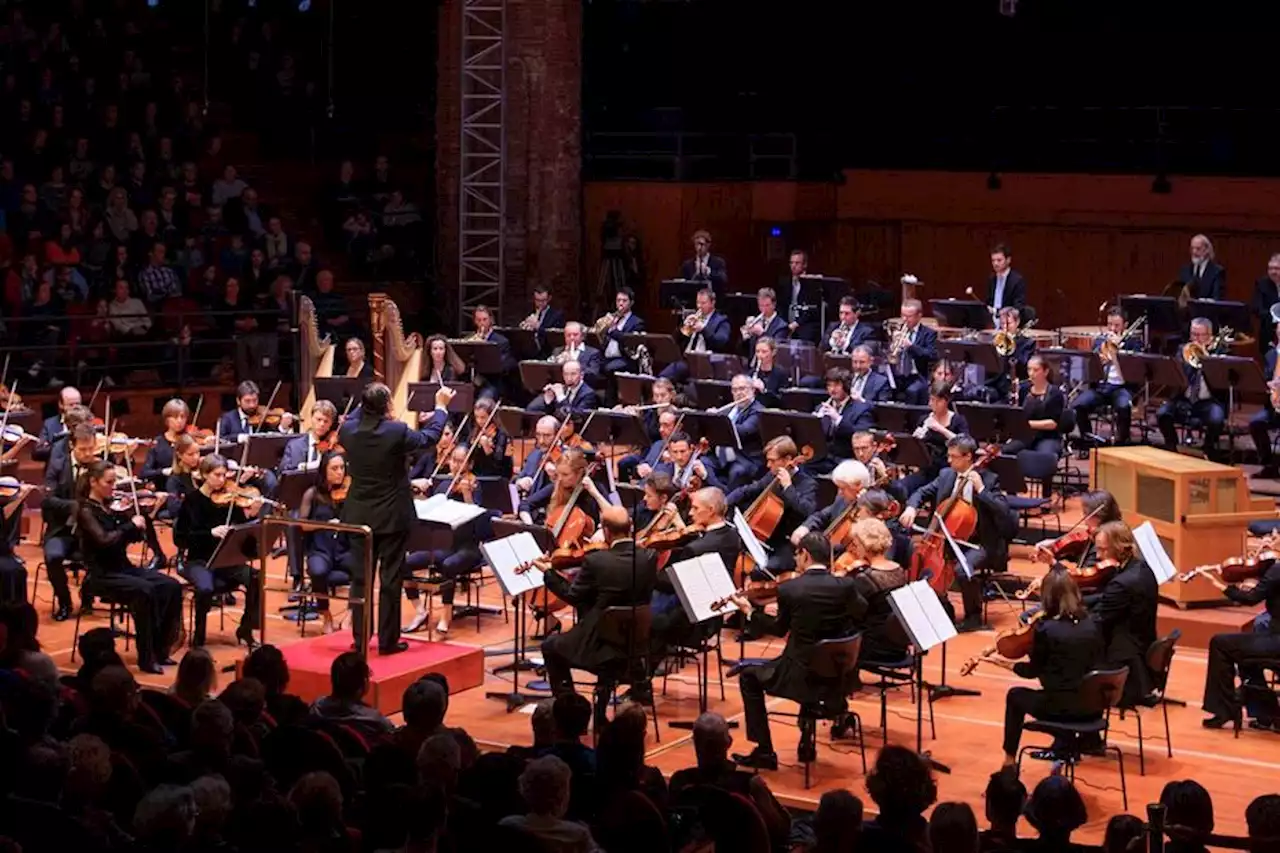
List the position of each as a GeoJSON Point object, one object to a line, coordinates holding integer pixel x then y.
{"type": "Point", "coordinates": [954, 519]}
{"type": "Point", "coordinates": [763, 517]}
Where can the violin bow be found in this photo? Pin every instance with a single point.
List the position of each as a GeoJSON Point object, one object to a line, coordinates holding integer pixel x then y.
{"type": "Point", "coordinates": [196, 415]}
{"type": "Point", "coordinates": [137, 510]}
{"type": "Point", "coordinates": [453, 482]}
{"type": "Point", "coordinates": [244, 457]}
{"type": "Point", "coordinates": [559, 438]}
{"type": "Point", "coordinates": [94, 395]}
{"type": "Point", "coordinates": [4, 420]}
{"type": "Point", "coordinates": [440, 462]}
{"type": "Point", "coordinates": [270, 400]}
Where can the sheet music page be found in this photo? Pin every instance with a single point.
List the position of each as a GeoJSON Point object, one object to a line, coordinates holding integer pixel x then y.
{"type": "Point", "coordinates": [933, 611]}
{"type": "Point", "coordinates": [701, 582]}
{"type": "Point", "coordinates": [922, 616]}
{"type": "Point", "coordinates": [443, 510]}
{"type": "Point", "coordinates": [515, 496]}
{"type": "Point", "coordinates": [749, 540]}
{"type": "Point", "coordinates": [1154, 553]}
{"type": "Point", "coordinates": [506, 555]}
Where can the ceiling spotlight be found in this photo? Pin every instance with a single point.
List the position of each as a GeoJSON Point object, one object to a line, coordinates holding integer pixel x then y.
{"type": "Point", "coordinates": [304, 5]}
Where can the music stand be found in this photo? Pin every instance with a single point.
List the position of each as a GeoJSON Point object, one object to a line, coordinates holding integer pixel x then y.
{"type": "Point", "coordinates": [495, 493]}
{"type": "Point", "coordinates": [714, 427]}
{"type": "Point", "coordinates": [265, 449]}
{"type": "Point", "coordinates": [996, 422]}
{"type": "Point", "coordinates": [242, 546]}
{"type": "Point", "coordinates": [712, 393]}
{"type": "Point", "coordinates": [800, 358]}
{"type": "Point", "coordinates": [806, 430]}
{"type": "Point", "coordinates": [663, 349]}
{"type": "Point", "coordinates": [910, 451]}
{"type": "Point", "coordinates": [727, 366]}
{"type": "Point", "coordinates": [524, 342]}
{"type": "Point", "coordinates": [537, 375]}
{"type": "Point", "coordinates": [700, 366]}
{"type": "Point", "coordinates": [482, 357]}
{"type": "Point", "coordinates": [899, 417]}
{"type": "Point", "coordinates": [545, 542]}
{"type": "Point", "coordinates": [292, 484]}
{"type": "Point", "coordinates": [680, 293]}
{"type": "Point", "coordinates": [425, 535]}
{"type": "Point", "coordinates": [1222, 312]}
{"type": "Point", "coordinates": [634, 389]}
{"type": "Point", "coordinates": [518, 423]}
{"type": "Point", "coordinates": [614, 427]}
{"type": "Point", "coordinates": [1085, 367]}
{"type": "Point", "coordinates": [961, 313]}
{"type": "Point", "coordinates": [976, 353]}
{"type": "Point", "coordinates": [339, 389]}
{"type": "Point", "coordinates": [1235, 374]}
{"type": "Point", "coordinates": [422, 397]}
{"type": "Point", "coordinates": [1140, 368]}
{"type": "Point", "coordinates": [927, 625]}
{"type": "Point", "coordinates": [1162, 312]}
{"type": "Point", "coordinates": [831, 361]}
{"type": "Point", "coordinates": [802, 399]}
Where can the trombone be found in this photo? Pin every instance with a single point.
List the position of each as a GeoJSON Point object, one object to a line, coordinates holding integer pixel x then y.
{"type": "Point", "coordinates": [1194, 354]}
{"type": "Point", "coordinates": [1111, 343]}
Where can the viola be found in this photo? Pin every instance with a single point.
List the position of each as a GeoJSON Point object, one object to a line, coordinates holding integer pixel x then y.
{"type": "Point", "coordinates": [245, 497]}
{"type": "Point", "coordinates": [1011, 644]}
{"type": "Point", "coordinates": [1091, 578]}
{"type": "Point", "coordinates": [1071, 542]}
{"type": "Point", "coordinates": [339, 493]}
{"type": "Point", "coordinates": [118, 442]}
{"type": "Point", "coordinates": [329, 444]}
{"type": "Point", "coordinates": [122, 501]}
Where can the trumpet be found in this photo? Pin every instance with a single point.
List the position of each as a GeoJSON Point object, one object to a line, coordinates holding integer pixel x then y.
{"type": "Point", "coordinates": [1111, 343]}
{"type": "Point", "coordinates": [751, 321]}
{"type": "Point", "coordinates": [530, 323]}
{"type": "Point", "coordinates": [841, 334]}
{"type": "Point", "coordinates": [898, 343]}
{"type": "Point", "coordinates": [604, 323]}
{"type": "Point", "coordinates": [692, 324]}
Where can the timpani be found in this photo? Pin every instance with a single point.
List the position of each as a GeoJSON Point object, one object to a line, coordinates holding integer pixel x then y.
{"type": "Point", "coordinates": [1044, 338]}
{"type": "Point", "coordinates": [1080, 337]}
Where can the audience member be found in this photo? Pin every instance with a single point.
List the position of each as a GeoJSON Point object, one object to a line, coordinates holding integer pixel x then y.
{"type": "Point", "coordinates": [953, 829]}
{"type": "Point", "coordinates": [349, 682]}
{"type": "Point", "coordinates": [1005, 798]}
{"type": "Point", "coordinates": [1188, 816]}
{"type": "Point", "coordinates": [1125, 834]}
{"type": "Point", "coordinates": [544, 785]}
{"type": "Point", "coordinates": [1055, 810]}
{"type": "Point", "coordinates": [902, 786]}
{"type": "Point", "coordinates": [837, 822]}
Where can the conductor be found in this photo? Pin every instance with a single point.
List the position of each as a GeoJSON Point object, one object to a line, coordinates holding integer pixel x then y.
{"type": "Point", "coordinates": [377, 449]}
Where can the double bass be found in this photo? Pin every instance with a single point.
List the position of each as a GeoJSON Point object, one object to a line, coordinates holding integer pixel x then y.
{"type": "Point", "coordinates": [932, 557]}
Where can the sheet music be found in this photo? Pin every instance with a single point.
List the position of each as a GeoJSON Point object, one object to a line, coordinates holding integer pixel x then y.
{"type": "Point", "coordinates": [701, 582]}
{"type": "Point", "coordinates": [749, 540]}
{"type": "Point", "coordinates": [443, 510]}
{"type": "Point", "coordinates": [921, 614]}
{"type": "Point", "coordinates": [1154, 553]}
{"type": "Point", "coordinates": [506, 554]}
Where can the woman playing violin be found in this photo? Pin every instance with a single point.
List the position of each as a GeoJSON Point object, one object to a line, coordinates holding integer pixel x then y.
{"type": "Point", "coordinates": [1066, 645]}
{"type": "Point", "coordinates": [492, 456]}
{"type": "Point", "coordinates": [551, 499]}
{"type": "Point", "coordinates": [184, 475]}
{"type": "Point", "coordinates": [160, 456]}
{"type": "Point", "coordinates": [875, 576]}
{"type": "Point", "coordinates": [13, 573]}
{"type": "Point", "coordinates": [1227, 653]}
{"type": "Point", "coordinates": [154, 598]}
{"type": "Point", "coordinates": [656, 498]}
{"type": "Point", "coordinates": [330, 558]}
{"type": "Point", "coordinates": [200, 525]}
{"type": "Point", "coordinates": [879, 504]}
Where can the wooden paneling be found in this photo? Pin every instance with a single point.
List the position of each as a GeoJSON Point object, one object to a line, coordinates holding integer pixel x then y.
{"type": "Point", "coordinates": [1079, 239]}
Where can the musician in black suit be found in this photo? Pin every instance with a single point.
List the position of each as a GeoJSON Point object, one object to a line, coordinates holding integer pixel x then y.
{"type": "Point", "coordinates": [492, 455]}
{"type": "Point", "coordinates": [1066, 646]}
{"type": "Point", "coordinates": [704, 266]}
{"type": "Point", "coordinates": [997, 523]}
{"type": "Point", "coordinates": [52, 428]}
{"type": "Point", "coordinates": [1006, 288]}
{"type": "Point", "coordinates": [1207, 278]}
{"type": "Point", "coordinates": [545, 315]}
{"type": "Point", "coordinates": [1125, 610]}
{"type": "Point", "coordinates": [911, 354]}
{"type": "Point", "coordinates": [625, 322]}
{"type": "Point", "coordinates": [1227, 652]}
{"type": "Point", "coordinates": [799, 492]}
{"type": "Point", "coordinates": [842, 417]}
{"type": "Point", "coordinates": [493, 385]}
{"type": "Point", "coordinates": [849, 331]}
{"type": "Point", "coordinates": [1267, 419]}
{"type": "Point", "coordinates": [766, 323]}
{"type": "Point", "coordinates": [671, 626]}
{"type": "Point", "coordinates": [865, 385]}
{"type": "Point", "coordinates": [620, 576]}
{"type": "Point", "coordinates": [1198, 401]}
{"type": "Point", "coordinates": [572, 395]}
{"type": "Point", "coordinates": [1111, 390]}
{"type": "Point", "coordinates": [377, 450]}
{"type": "Point", "coordinates": [812, 607]}
{"type": "Point", "coordinates": [733, 466]}
{"type": "Point", "coordinates": [58, 511]}
{"type": "Point", "coordinates": [706, 330]}
{"type": "Point", "coordinates": [999, 386]}
{"type": "Point", "coordinates": [576, 349]}
{"type": "Point", "coordinates": [802, 317]}
{"type": "Point", "coordinates": [683, 467]}
{"type": "Point", "coordinates": [1266, 292]}
{"type": "Point", "coordinates": [637, 466]}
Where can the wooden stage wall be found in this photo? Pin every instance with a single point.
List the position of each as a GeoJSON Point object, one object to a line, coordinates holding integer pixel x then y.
{"type": "Point", "coordinates": [1088, 236]}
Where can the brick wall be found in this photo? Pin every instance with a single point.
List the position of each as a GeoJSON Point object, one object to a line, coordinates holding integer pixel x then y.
{"type": "Point", "coordinates": [544, 152]}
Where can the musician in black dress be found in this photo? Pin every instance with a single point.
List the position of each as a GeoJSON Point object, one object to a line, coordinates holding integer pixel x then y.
{"type": "Point", "coordinates": [183, 476]}
{"type": "Point", "coordinates": [331, 559]}
{"type": "Point", "coordinates": [798, 491]}
{"type": "Point", "coordinates": [1125, 610]}
{"type": "Point", "coordinates": [1111, 390]}
{"type": "Point", "coordinates": [201, 524]}
{"type": "Point", "coordinates": [441, 364]}
{"type": "Point", "coordinates": [13, 572]}
{"type": "Point", "coordinates": [1098, 507]}
{"type": "Point", "coordinates": [358, 365]}
{"type": "Point", "coordinates": [657, 490]}
{"type": "Point", "coordinates": [156, 468]}
{"type": "Point", "coordinates": [812, 607]}
{"type": "Point", "coordinates": [492, 456]}
{"type": "Point", "coordinates": [154, 598]}
{"type": "Point", "coordinates": [766, 377]}
{"type": "Point", "coordinates": [1043, 404]}
{"type": "Point", "coordinates": [1066, 646]}
{"type": "Point", "coordinates": [1227, 653]}
{"type": "Point", "coordinates": [936, 428]}
{"type": "Point", "coordinates": [871, 543]}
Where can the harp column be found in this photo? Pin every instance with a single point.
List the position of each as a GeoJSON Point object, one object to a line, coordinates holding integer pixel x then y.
{"type": "Point", "coordinates": [482, 173]}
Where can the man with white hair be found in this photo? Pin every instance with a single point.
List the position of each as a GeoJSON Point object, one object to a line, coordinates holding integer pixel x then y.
{"type": "Point", "coordinates": [544, 786]}
{"type": "Point", "coordinates": [575, 349]}
{"type": "Point", "coordinates": [1198, 401]}
{"type": "Point", "coordinates": [1206, 277]}
{"type": "Point", "coordinates": [851, 478]}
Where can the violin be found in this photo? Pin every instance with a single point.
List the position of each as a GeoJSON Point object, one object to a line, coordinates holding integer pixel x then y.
{"type": "Point", "coordinates": [118, 442]}
{"type": "Point", "coordinates": [932, 557]}
{"type": "Point", "coordinates": [1237, 570]}
{"type": "Point", "coordinates": [11, 487]}
{"type": "Point", "coordinates": [1011, 644]}
{"type": "Point", "coordinates": [122, 501]}
{"type": "Point", "coordinates": [13, 434]}
{"type": "Point", "coordinates": [242, 472]}
{"type": "Point", "coordinates": [1065, 544]}
{"type": "Point", "coordinates": [339, 493]}
{"type": "Point", "coordinates": [1091, 578]}
{"type": "Point", "coordinates": [329, 444]}
{"type": "Point", "coordinates": [204, 436]}
{"type": "Point", "coordinates": [573, 442]}
{"type": "Point", "coordinates": [244, 497]}
{"type": "Point", "coordinates": [268, 417]}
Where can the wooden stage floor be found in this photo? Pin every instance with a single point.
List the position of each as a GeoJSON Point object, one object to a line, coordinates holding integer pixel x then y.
{"type": "Point", "coordinates": [968, 728]}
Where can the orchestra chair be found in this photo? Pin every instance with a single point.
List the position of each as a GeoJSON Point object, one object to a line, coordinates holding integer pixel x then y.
{"type": "Point", "coordinates": [628, 627]}
{"type": "Point", "coordinates": [117, 616]}
{"type": "Point", "coordinates": [1270, 685]}
{"type": "Point", "coordinates": [1066, 476]}
{"type": "Point", "coordinates": [469, 584]}
{"type": "Point", "coordinates": [894, 675]}
{"type": "Point", "coordinates": [1099, 693]}
{"type": "Point", "coordinates": [731, 820]}
{"type": "Point", "coordinates": [221, 592]}
{"type": "Point", "coordinates": [74, 565]}
{"type": "Point", "coordinates": [1159, 661]}
{"type": "Point", "coordinates": [833, 661]}
{"type": "Point", "coordinates": [700, 654]}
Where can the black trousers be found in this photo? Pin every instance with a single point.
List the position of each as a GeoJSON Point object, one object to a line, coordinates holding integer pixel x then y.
{"type": "Point", "coordinates": [560, 675]}
{"type": "Point", "coordinates": [971, 585]}
{"type": "Point", "coordinates": [1115, 396]}
{"type": "Point", "coordinates": [1226, 651]}
{"type": "Point", "coordinates": [57, 550]}
{"type": "Point", "coordinates": [1021, 702]}
{"type": "Point", "coordinates": [1260, 426]}
{"type": "Point", "coordinates": [388, 555]}
{"type": "Point", "coordinates": [207, 582]}
{"type": "Point", "coordinates": [155, 600]}
{"type": "Point", "coordinates": [753, 705]}
{"type": "Point", "coordinates": [1210, 413]}
{"type": "Point", "coordinates": [13, 581]}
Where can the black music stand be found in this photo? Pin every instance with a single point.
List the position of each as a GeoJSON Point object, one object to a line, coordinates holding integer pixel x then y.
{"type": "Point", "coordinates": [1222, 312]}
{"type": "Point", "coordinates": [1236, 375]}
{"type": "Point", "coordinates": [726, 367]}
{"type": "Point", "coordinates": [495, 493]}
{"type": "Point", "coordinates": [663, 349]}
{"type": "Point", "coordinates": [265, 449]}
{"type": "Point", "coordinates": [976, 353]}
{"type": "Point", "coordinates": [630, 495]}
{"type": "Point", "coordinates": [537, 375]}
{"type": "Point", "coordinates": [831, 361]}
{"type": "Point", "coordinates": [799, 358]}
{"type": "Point", "coordinates": [242, 546]}
{"type": "Point", "coordinates": [339, 389]}
{"type": "Point", "coordinates": [715, 427]}
{"type": "Point", "coordinates": [518, 423]}
{"type": "Point", "coordinates": [712, 393]}
{"type": "Point", "coordinates": [422, 397]}
{"type": "Point", "coordinates": [610, 426]}
{"type": "Point", "coordinates": [503, 528]}
{"type": "Point", "coordinates": [996, 422]}
{"type": "Point", "coordinates": [806, 430]}
{"type": "Point", "coordinates": [524, 342]}
{"type": "Point", "coordinates": [1141, 368]}
{"type": "Point", "coordinates": [634, 389]}
{"type": "Point", "coordinates": [292, 484]}
{"type": "Point", "coordinates": [802, 399]}
{"type": "Point", "coordinates": [961, 313]}
{"type": "Point", "coordinates": [700, 366]}
{"type": "Point", "coordinates": [553, 338]}
{"type": "Point", "coordinates": [1162, 312]}
{"type": "Point", "coordinates": [435, 536]}
{"type": "Point", "coordinates": [482, 357]}
{"type": "Point", "coordinates": [899, 417]}
{"type": "Point", "coordinates": [680, 292]}
{"type": "Point", "coordinates": [910, 451]}
{"type": "Point", "coordinates": [1083, 366]}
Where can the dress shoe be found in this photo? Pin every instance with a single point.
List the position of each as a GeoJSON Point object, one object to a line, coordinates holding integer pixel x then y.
{"type": "Point", "coordinates": [151, 668]}
{"type": "Point", "coordinates": [760, 759]}
{"type": "Point", "coordinates": [245, 635]}
{"type": "Point", "coordinates": [62, 613]}
{"type": "Point", "coordinates": [417, 623]}
{"type": "Point", "coordinates": [168, 661]}
{"type": "Point", "coordinates": [1215, 722]}
{"type": "Point", "coordinates": [156, 563]}
{"type": "Point", "coordinates": [641, 695]}
{"type": "Point", "coordinates": [400, 646]}
{"type": "Point", "coordinates": [971, 624]}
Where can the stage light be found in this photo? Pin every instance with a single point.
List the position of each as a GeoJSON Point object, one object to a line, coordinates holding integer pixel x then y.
{"type": "Point", "coordinates": [304, 5]}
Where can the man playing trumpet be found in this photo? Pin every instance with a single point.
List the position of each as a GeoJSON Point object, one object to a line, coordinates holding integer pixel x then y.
{"type": "Point", "coordinates": [1198, 401]}
{"type": "Point", "coordinates": [707, 330]}
{"type": "Point", "coordinates": [768, 323]}
{"type": "Point", "coordinates": [612, 326]}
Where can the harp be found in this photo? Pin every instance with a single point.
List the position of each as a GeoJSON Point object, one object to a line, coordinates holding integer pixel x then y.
{"type": "Point", "coordinates": [397, 358]}
{"type": "Point", "coordinates": [315, 360]}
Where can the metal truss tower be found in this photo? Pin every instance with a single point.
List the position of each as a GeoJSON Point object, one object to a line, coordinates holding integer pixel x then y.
{"type": "Point", "coordinates": [482, 186]}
